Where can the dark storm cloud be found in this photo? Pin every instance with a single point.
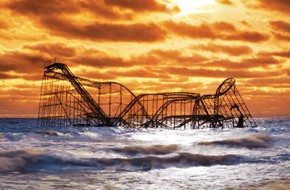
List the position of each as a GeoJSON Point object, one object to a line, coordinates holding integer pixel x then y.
{"type": "Point", "coordinates": [219, 30]}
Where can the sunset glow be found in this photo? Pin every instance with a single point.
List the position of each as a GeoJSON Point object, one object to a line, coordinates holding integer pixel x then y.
{"type": "Point", "coordinates": [149, 46]}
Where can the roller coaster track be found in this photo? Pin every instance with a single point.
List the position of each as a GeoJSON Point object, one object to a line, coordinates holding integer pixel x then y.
{"type": "Point", "coordinates": [69, 100]}
{"type": "Point", "coordinates": [96, 110]}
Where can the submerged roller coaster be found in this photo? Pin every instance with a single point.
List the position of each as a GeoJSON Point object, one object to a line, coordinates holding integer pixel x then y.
{"type": "Point", "coordinates": [67, 100]}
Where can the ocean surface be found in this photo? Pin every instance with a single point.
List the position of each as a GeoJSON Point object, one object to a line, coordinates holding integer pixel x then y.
{"type": "Point", "coordinates": [32, 157]}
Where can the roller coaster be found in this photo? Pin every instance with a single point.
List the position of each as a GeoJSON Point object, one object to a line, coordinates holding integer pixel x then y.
{"type": "Point", "coordinates": [68, 100]}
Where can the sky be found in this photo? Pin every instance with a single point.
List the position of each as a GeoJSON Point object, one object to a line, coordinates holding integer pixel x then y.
{"type": "Point", "coordinates": [149, 46]}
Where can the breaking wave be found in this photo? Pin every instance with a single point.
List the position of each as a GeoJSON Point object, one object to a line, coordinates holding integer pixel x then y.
{"type": "Point", "coordinates": [154, 149]}
{"type": "Point", "coordinates": [48, 132]}
{"type": "Point", "coordinates": [253, 141]}
{"type": "Point", "coordinates": [34, 160]}
{"type": "Point", "coordinates": [18, 160]}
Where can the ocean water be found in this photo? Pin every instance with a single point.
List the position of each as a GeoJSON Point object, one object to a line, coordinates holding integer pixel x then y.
{"type": "Point", "coordinates": [32, 157]}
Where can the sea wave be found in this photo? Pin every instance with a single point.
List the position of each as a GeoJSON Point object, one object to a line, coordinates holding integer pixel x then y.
{"type": "Point", "coordinates": [48, 132]}
{"type": "Point", "coordinates": [253, 141]}
{"type": "Point", "coordinates": [34, 160]}
{"type": "Point", "coordinates": [18, 160]}
{"type": "Point", "coordinates": [155, 162]}
{"type": "Point", "coordinates": [154, 149]}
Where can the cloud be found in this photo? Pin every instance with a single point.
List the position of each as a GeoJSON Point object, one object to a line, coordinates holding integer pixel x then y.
{"type": "Point", "coordinates": [161, 58]}
{"type": "Point", "coordinates": [51, 8]}
{"type": "Point", "coordinates": [247, 36]}
{"type": "Point", "coordinates": [53, 49]}
{"type": "Point", "coordinates": [224, 26]}
{"type": "Point", "coordinates": [285, 54]}
{"type": "Point", "coordinates": [21, 62]}
{"type": "Point", "coordinates": [140, 73]}
{"type": "Point", "coordinates": [230, 50]}
{"type": "Point", "coordinates": [278, 5]}
{"type": "Point", "coordinates": [7, 76]}
{"type": "Point", "coordinates": [3, 25]}
{"type": "Point", "coordinates": [278, 82]}
{"type": "Point", "coordinates": [225, 2]}
{"type": "Point", "coordinates": [281, 25]}
{"type": "Point", "coordinates": [281, 30]}
{"type": "Point", "coordinates": [281, 37]}
{"type": "Point", "coordinates": [218, 30]}
{"type": "Point", "coordinates": [138, 6]}
{"type": "Point", "coordinates": [184, 29]}
{"type": "Point", "coordinates": [61, 24]}
{"type": "Point", "coordinates": [105, 31]}
{"type": "Point", "coordinates": [100, 62]}
{"type": "Point", "coordinates": [220, 73]}
{"type": "Point", "coordinates": [261, 61]}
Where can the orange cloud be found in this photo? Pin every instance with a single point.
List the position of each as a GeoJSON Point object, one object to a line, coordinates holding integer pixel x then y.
{"type": "Point", "coordinates": [99, 62]}
{"type": "Point", "coordinates": [278, 5]}
{"type": "Point", "coordinates": [219, 73]}
{"type": "Point", "coordinates": [225, 2]}
{"type": "Point", "coordinates": [53, 49]}
{"type": "Point", "coordinates": [105, 32]}
{"type": "Point", "coordinates": [7, 76]}
{"type": "Point", "coordinates": [214, 31]}
{"type": "Point", "coordinates": [51, 8]}
{"type": "Point", "coordinates": [281, 25]}
{"type": "Point", "coordinates": [285, 54]}
{"type": "Point", "coordinates": [230, 50]}
{"type": "Point", "coordinates": [140, 5]}
{"type": "Point", "coordinates": [281, 30]}
{"type": "Point", "coordinates": [20, 62]}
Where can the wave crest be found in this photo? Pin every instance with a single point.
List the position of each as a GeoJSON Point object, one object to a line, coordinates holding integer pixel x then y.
{"type": "Point", "coordinates": [253, 141]}
{"type": "Point", "coordinates": [18, 160]}
{"type": "Point", "coordinates": [154, 149]}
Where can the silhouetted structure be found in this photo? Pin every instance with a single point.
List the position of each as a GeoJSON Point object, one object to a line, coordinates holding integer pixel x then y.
{"type": "Point", "coordinates": [67, 100]}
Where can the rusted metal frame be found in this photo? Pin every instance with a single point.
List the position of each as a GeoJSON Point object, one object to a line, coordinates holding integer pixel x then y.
{"type": "Point", "coordinates": [246, 110]}
{"type": "Point", "coordinates": [234, 113]}
{"type": "Point", "coordinates": [130, 106]}
{"type": "Point", "coordinates": [164, 106]}
{"type": "Point", "coordinates": [224, 103]}
{"type": "Point", "coordinates": [63, 108]}
{"type": "Point", "coordinates": [211, 97]}
{"type": "Point", "coordinates": [86, 96]}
